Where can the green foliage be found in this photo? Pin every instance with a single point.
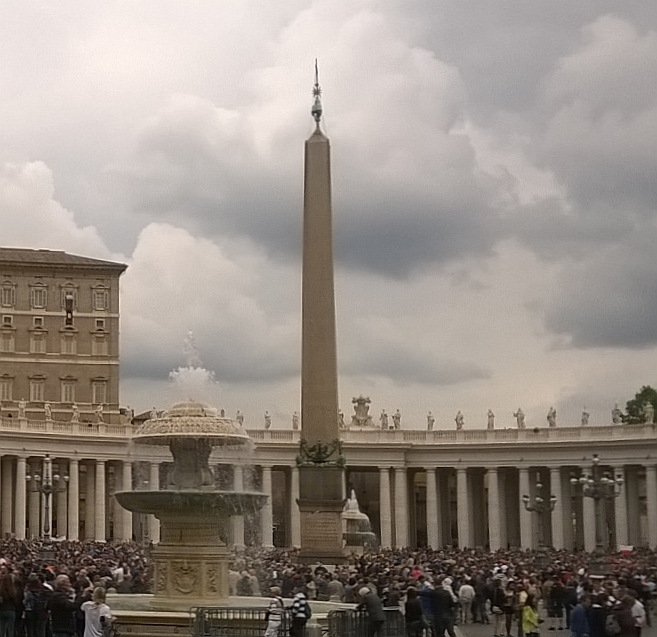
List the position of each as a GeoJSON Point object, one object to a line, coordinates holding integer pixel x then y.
{"type": "Point", "coordinates": [634, 408]}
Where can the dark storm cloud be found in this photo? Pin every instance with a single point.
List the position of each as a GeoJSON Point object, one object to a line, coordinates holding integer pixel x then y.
{"type": "Point", "coordinates": [407, 366]}
{"type": "Point", "coordinates": [609, 300]}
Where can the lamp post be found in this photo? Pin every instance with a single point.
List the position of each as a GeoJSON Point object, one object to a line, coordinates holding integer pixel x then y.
{"type": "Point", "coordinates": [539, 505]}
{"type": "Point", "coordinates": [602, 487]}
{"type": "Point", "coordinates": [45, 483]}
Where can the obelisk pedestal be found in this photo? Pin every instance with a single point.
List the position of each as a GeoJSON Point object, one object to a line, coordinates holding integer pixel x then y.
{"type": "Point", "coordinates": [320, 460]}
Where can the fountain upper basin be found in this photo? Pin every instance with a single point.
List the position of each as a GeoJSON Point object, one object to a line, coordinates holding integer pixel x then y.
{"type": "Point", "coordinates": [218, 502]}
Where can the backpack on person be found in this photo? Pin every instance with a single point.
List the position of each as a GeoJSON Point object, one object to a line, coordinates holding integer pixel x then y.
{"type": "Point", "coordinates": [307, 610]}
{"type": "Point", "coordinates": [612, 627]}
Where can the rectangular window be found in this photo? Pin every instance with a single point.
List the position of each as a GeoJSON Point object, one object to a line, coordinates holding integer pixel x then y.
{"type": "Point", "coordinates": [37, 321]}
{"type": "Point", "coordinates": [6, 388]}
{"type": "Point", "coordinates": [69, 344]}
{"type": "Point", "coordinates": [38, 343]}
{"type": "Point", "coordinates": [99, 345]}
{"type": "Point", "coordinates": [72, 293]}
{"type": "Point", "coordinates": [7, 342]}
{"type": "Point", "coordinates": [99, 392]}
{"type": "Point", "coordinates": [37, 390]}
{"type": "Point", "coordinates": [100, 324]}
{"type": "Point", "coordinates": [7, 319]}
{"type": "Point", "coordinates": [68, 391]}
{"type": "Point", "coordinates": [100, 299]}
{"type": "Point", "coordinates": [39, 297]}
{"type": "Point", "coordinates": [8, 295]}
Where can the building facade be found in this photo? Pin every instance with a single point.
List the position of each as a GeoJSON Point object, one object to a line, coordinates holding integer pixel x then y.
{"type": "Point", "coordinates": [59, 337]}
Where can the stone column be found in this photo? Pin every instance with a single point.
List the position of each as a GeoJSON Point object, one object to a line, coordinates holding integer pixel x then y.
{"type": "Point", "coordinates": [21, 488]}
{"type": "Point", "coordinates": [7, 495]}
{"type": "Point", "coordinates": [238, 520]}
{"type": "Point", "coordinates": [494, 512]}
{"type": "Point", "coordinates": [634, 532]}
{"type": "Point", "coordinates": [33, 506]}
{"type": "Point", "coordinates": [588, 517]}
{"type": "Point", "coordinates": [99, 518]}
{"type": "Point", "coordinates": [154, 485]}
{"type": "Point", "coordinates": [525, 516]}
{"type": "Point", "coordinates": [61, 501]}
{"type": "Point", "coordinates": [557, 514]}
{"type": "Point", "coordinates": [401, 507]}
{"type": "Point", "coordinates": [651, 503]}
{"type": "Point", "coordinates": [295, 517]}
{"type": "Point", "coordinates": [267, 511]}
{"type": "Point", "coordinates": [126, 516]}
{"type": "Point", "coordinates": [73, 499]}
{"type": "Point", "coordinates": [90, 501]}
{"type": "Point", "coordinates": [385, 512]}
{"type": "Point", "coordinates": [462, 513]}
{"type": "Point", "coordinates": [432, 509]}
{"type": "Point", "coordinates": [568, 532]}
{"type": "Point", "coordinates": [620, 510]}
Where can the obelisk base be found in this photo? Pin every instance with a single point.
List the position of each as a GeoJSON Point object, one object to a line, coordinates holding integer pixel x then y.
{"type": "Point", "coordinates": [320, 505]}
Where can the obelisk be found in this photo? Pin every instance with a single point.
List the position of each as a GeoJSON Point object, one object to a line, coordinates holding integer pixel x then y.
{"type": "Point", "coordinates": [320, 460]}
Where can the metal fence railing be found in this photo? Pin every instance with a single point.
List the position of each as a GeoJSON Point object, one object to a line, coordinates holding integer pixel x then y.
{"type": "Point", "coordinates": [354, 623]}
{"type": "Point", "coordinates": [233, 622]}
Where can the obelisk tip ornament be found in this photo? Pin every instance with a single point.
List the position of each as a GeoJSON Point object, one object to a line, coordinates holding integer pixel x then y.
{"type": "Point", "coordinates": [320, 459]}
{"type": "Point", "coordinates": [316, 110]}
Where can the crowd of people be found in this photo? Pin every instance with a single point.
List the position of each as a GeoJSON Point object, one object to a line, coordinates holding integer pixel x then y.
{"type": "Point", "coordinates": [517, 592]}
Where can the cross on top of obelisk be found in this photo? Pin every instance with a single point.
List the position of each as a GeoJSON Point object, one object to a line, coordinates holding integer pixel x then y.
{"type": "Point", "coordinates": [317, 94]}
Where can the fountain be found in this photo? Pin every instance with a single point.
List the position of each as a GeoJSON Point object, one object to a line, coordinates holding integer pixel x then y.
{"type": "Point", "coordinates": [356, 528]}
{"type": "Point", "coordinates": [191, 560]}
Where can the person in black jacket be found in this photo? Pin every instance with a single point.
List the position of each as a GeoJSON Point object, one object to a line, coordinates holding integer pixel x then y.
{"type": "Point", "coordinates": [62, 608]}
{"type": "Point", "coordinates": [413, 614]}
{"type": "Point", "coordinates": [376, 618]}
{"type": "Point", "coordinates": [442, 608]}
{"type": "Point", "coordinates": [9, 602]}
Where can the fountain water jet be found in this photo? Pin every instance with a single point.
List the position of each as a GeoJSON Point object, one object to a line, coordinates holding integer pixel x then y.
{"type": "Point", "coordinates": [191, 560]}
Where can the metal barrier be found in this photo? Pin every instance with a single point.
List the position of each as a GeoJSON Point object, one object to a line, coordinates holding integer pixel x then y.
{"type": "Point", "coordinates": [354, 623]}
{"type": "Point", "coordinates": [233, 622]}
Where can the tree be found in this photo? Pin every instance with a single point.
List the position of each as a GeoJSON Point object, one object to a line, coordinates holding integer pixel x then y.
{"type": "Point", "coordinates": [634, 407]}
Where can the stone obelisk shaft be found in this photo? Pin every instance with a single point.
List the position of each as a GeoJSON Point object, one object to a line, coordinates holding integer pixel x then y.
{"type": "Point", "coordinates": [319, 375]}
{"type": "Point", "coordinates": [320, 492]}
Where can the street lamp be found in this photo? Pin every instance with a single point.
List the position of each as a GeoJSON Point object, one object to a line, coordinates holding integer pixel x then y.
{"type": "Point", "coordinates": [602, 487]}
{"type": "Point", "coordinates": [45, 483]}
{"type": "Point", "coordinates": [539, 505]}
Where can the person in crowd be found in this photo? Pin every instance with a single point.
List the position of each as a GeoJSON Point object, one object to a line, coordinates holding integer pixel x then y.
{"type": "Point", "coordinates": [510, 605]}
{"type": "Point", "coordinates": [62, 608]}
{"type": "Point", "coordinates": [35, 602]}
{"type": "Point", "coordinates": [466, 597]}
{"type": "Point", "coordinates": [625, 618]}
{"type": "Point", "coordinates": [554, 600]}
{"type": "Point", "coordinates": [97, 614]}
{"type": "Point", "coordinates": [9, 603]}
{"type": "Point", "coordinates": [300, 612]}
{"type": "Point", "coordinates": [371, 603]}
{"type": "Point", "coordinates": [275, 612]}
{"type": "Point", "coordinates": [530, 619]}
{"type": "Point", "coordinates": [597, 616]}
{"type": "Point", "coordinates": [413, 614]}
{"type": "Point", "coordinates": [579, 623]}
{"type": "Point", "coordinates": [336, 589]}
{"type": "Point", "coordinates": [498, 603]}
{"type": "Point", "coordinates": [638, 612]}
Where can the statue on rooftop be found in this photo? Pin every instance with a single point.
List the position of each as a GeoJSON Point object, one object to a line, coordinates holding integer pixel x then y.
{"type": "Point", "coordinates": [21, 408]}
{"type": "Point", "coordinates": [552, 417]}
{"type": "Point", "coordinates": [459, 420]}
{"type": "Point", "coordinates": [616, 415]}
{"type": "Point", "coordinates": [99, 413]}
{"type": "Point", "coordinates": [649, 413]}
{"type": "Point", "coordinates": [75, 416]}
{"type": "Point", "coordinates": [361, 416]}
{"type": "Point", "coordinates": [48, 411]}
{"type": "Point", "coordinates": [396, 420]}
{"type": "Point", "coordinates": [239, 417]}
{"type": "Point", "coordinates": [431, 421]}
{"type": "Point", "coordinates": [383, 419]}
{"type": "Point", "coordinates": [520, 418]}
{"type": "Point", "coordinates": [341, 422]}
{"type": "Point", "coordinates": [585, 417]}
{"type": "Point", "coordinates": [295, 420]}
{"type": "Point", "coordinates": [491, 419]}
{"type": "Point", "coordinates": [267, 420]}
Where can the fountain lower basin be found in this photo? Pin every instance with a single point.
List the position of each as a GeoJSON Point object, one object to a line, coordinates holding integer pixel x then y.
{"type": "Point", "coordinates": [215, 503]}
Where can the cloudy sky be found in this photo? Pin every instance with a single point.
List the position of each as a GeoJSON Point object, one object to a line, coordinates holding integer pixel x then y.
{"type": "Point", "coordinates": [494, 182]}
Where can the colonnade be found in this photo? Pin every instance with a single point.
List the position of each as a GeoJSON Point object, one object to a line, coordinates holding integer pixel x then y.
{"type": "Point", "coordinates": [469, 506]}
